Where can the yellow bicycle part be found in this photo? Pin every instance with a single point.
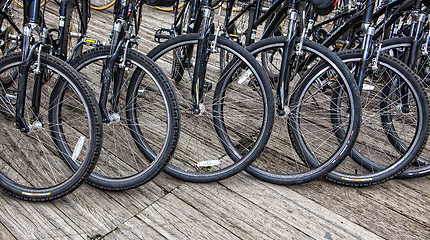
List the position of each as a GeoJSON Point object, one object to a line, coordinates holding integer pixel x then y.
{"type": "Point", "coordinates": [102, 7]}
{"type": "Point", "coordinates": [21, 4]}
{"type": "Point", "coordinates": [169, 9]}
{"type": "Point", "coordinates": [235, 9]}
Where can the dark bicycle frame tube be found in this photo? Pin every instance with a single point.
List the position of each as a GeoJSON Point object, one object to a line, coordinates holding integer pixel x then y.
{"type": "Point", "coordinates": [112, 71]}
{"type": "Point", "coordinates": [289, 46]}
{"type": "Point", "coordinates": [202, 56]}
{"type": "Point", "coordinates": [31, 16]}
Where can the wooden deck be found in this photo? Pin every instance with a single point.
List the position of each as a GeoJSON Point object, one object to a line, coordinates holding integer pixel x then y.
{"type": "Point", "coordinates": [240, 207]}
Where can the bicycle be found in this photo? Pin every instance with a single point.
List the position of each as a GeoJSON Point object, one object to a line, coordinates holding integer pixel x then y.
{"type": "Point", "coordinates": [55, 114]}
{"type": "Point", "coordinates": [313, 125]}
{"type": "Point", "coordinates": [412, 51]}
{"type": "Point", "coordinates": [394, 25]}
{"type": "Point", "coordinates": [401, 97]}
{"type": "Point", "coordinates": [245, 107]}
{"type": "Point", "coordinates": [137, 103]}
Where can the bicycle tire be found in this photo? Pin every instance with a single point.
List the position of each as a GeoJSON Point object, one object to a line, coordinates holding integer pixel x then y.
{"type": "Point", "coordinates": [378, 101]}
{"type": "Point", "coordinates": [421, 166]}
{"type": "Point", "coordinates": [101, 4]}
{"type": "Point", "coordinates": [200, 156]}
{"type": "Point", "coordinates": [138, 145]}
{"type": "Point", "coordinates": [69, 126]}
{"type": "Point", "coordinates": [308, 129]}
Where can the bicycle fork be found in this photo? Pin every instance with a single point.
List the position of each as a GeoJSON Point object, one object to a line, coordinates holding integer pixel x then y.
{"type": "Point", "coordinates": [285, 74]}
{"type": "Point", "coordinates": [202, 56]}
{"type": "Point", "coordinates": [115, 71]}
{"type": "Point", "coordinates": [24, 68]}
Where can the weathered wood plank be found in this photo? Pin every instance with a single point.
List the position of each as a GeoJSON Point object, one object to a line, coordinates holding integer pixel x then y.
{"type": "Point", "coordinates": [33, 221]}
{"type": "Point", "coordinates": [133, 229]}
{"type": "Point", "coordinates": [369, 208]}
{"type": "Point", "coordinates": [305, 214]}
{"type": "Point", "coordinates": [135, 200]}
{"type": "Point", "coordinates": [174, 218]}
{"type": "Point", "coordinates": [5, 233]}
{"type": "Point", "coordinates": [239, 215]}
{"type": "Point", "coordinates": [92, 210]}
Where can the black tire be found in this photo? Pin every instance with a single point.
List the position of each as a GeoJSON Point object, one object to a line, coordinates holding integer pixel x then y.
{"type": "Point", "coordinates": [139, 144]}
{"type": "Point", "coordinates": [385, 118]}
{"type": "Point", "coordinates": [398, 48]}
{"type": "Point", "coordinates": [200, 156]}
{"type": "Point", "coordinates": [308, 130]}
{"type": "Point", "coordinates": [69, 126]}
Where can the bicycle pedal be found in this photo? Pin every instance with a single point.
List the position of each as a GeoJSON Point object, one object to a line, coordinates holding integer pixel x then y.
{"type": "Point", "coordinates": [92, 42]}
{"type": "Point", "coordinates": [159, 34]}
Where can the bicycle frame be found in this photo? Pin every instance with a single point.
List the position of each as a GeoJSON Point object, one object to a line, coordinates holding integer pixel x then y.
{"type": "Point", "coordinates": [255, 9]}
{"type": "Point", "coordinates": [286, 8]}
{"type": "Point", "coordinates": [202, 56]}
{"type": "Point", "coordinates": [358, 16]}
{"type": "Point", "coordinates": [255, 20]}
{"type": "Point", "coordinates": [417, 29]}
{"type": "Point", "coordinates": [65, 11]}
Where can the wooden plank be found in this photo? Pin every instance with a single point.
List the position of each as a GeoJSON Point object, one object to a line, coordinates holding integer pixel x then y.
{"type": "Point", "coordinates": [239, 215]}
{"type": "Point", "coordinates": [174, 218]}
{"type": "Point", "coordinates": [135, 228]}
{"type": "Point", "coordinates": [308, 216]}
{"type": "Point", "coordinates": [368, 207]}
{"type": "Point", "coordinates": [94, 211]}
{"type": "Point", "coordinates": [137, 199]}
{"type": "Point", "coordinates": [5, 233]}
{"type": "Point", "coordinates": [25, 220]}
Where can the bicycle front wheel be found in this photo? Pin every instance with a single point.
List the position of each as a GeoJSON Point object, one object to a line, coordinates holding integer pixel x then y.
{"type": "Point", "coordinates": [394, 125]}
{"type": "Point", "coordinates": [401, 48]}
{"type": "Point", "coordinates": [237, 104]}
{"type": "Point", "coordinates": [308, 130]}
{"type": "Point", "coordinates": [143, 127]}
{"type": "Point", "coordinates": [34, 163]}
